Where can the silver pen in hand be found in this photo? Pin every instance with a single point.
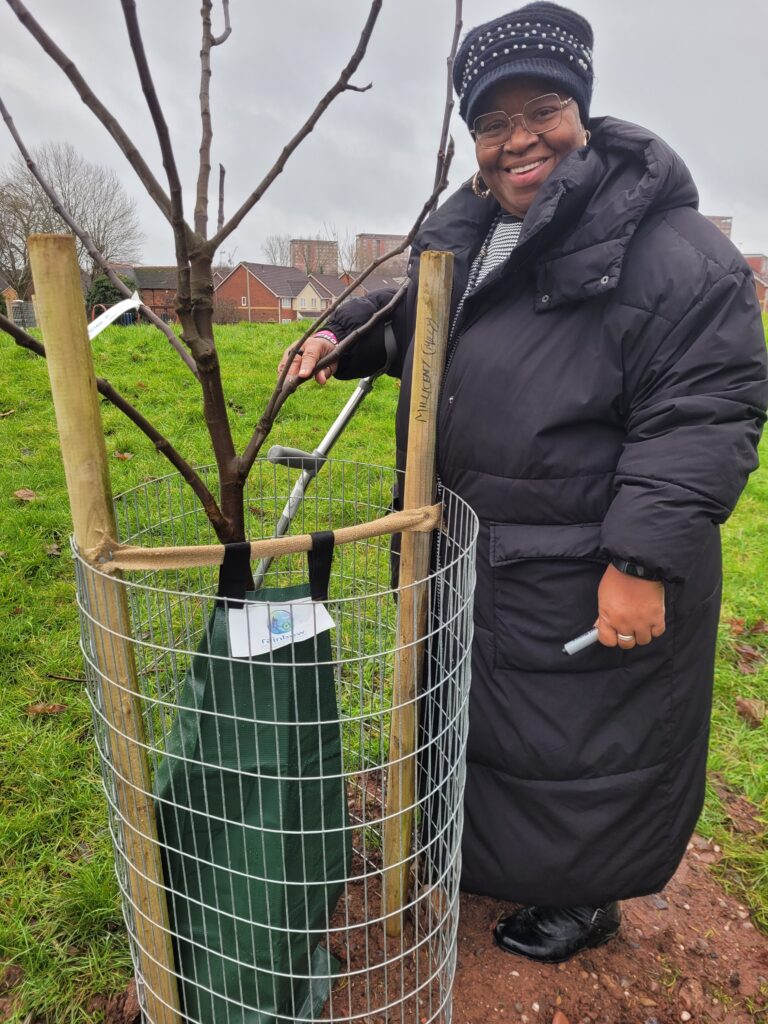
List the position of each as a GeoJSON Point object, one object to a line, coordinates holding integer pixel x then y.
{"type": "Point", "coordinates": [580, 642]}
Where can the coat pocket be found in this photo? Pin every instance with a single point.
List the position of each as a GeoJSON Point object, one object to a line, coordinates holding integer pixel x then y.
{"type": "Point", "coordinates": [545, 581]}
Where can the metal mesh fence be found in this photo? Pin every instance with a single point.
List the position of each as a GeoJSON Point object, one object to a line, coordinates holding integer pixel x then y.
{"type": "Point", "coordinates": [268, 772]}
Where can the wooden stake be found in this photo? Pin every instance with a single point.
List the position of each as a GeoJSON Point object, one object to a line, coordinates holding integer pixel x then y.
{"type": "Point", "coordinates": [430, 344]}
{"type": "Point", "coordinates": [61, 313]}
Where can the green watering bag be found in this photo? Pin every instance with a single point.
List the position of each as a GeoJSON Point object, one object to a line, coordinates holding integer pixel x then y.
{"type": "Point", "coordinates": [252, 811]}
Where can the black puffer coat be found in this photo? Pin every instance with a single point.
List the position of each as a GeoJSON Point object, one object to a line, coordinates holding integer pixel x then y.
{"type": "Point", "coordinates": [604, 398]}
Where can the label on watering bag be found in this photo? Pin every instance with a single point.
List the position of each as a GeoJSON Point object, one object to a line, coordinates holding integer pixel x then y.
{"type": "Point", "coordinates": [259, 628]}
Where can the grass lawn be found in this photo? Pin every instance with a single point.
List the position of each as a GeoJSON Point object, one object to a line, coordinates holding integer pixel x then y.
{"type": "Point", "coordinates": [60, 917]}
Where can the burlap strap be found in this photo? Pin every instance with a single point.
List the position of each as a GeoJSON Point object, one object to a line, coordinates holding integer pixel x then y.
{"type": "Point", "coordinates": [111, 556]}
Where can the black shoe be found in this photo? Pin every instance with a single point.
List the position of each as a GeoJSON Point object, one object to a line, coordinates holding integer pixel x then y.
{"type": "Point", "coordinates": [553, 934]}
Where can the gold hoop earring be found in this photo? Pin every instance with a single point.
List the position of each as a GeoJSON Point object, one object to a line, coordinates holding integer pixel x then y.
{"type": "Point", "coordinates": [587, 136]}
{"type": "Point", "coordinates": [476, 179]}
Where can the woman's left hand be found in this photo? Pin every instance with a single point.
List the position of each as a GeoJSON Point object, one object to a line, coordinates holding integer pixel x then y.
{"type": "Point", "coordinates": [630, 610]}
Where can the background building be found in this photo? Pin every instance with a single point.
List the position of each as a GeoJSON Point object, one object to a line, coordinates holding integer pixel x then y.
{"type": "Point", "coordinates": [759, 264]}
{"type": "Point", "coordinates": [315, 255]}
{"type": "Point", "coordinates": [370, 247]}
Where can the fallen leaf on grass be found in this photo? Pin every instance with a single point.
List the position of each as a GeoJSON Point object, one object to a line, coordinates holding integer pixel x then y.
{"type": "Point", "coordinates": [11, 977]}
{"type": "Point", "coordinates": [256, 511]}
{"type": "Point", "coordinates": [752, 711]}
{"type": "Point", "coordinates": [10, 412]}
{"type": "Point", "coordinates": [761, 626]}
{"type": "Point", "coordinates": [140, 384]}
{"type": "Point", "coordinates": [736, 626]}
{"type": "Point", "coordinates": [749, 658]}
{"type": "Point", "coordinates": [46, 709]}
{"type": "Point", "coordinates": [52, 549]}
{"type": "Point", "coordinates": [25, 494]}
{"type": "Point", "coordinates": [124, 456]}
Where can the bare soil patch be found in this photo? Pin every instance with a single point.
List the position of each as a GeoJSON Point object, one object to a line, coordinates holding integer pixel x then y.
{"type": "Point", "coordinates": [690, 953]}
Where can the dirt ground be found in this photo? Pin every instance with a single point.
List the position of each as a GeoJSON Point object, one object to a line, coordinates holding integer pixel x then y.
{"type": "Point", "coordinates": [689, 954]}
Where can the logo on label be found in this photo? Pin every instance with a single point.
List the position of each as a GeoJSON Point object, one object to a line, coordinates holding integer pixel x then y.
{"type": "Point", "coordinates": [280, 622]}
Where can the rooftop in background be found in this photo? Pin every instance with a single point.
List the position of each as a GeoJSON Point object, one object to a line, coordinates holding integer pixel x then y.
{"type": "Point", "coordinates": [374, 282]}
{"type": "Point", "coordinates": [327, 282]}
{"type": "Point", "coordinates": [148, 277]}
{"type": "Point", "coordinates": [283, 281]}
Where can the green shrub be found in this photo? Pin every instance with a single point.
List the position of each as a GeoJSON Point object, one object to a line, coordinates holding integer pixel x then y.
{"type": "Point", "coordinates": [103, 292]}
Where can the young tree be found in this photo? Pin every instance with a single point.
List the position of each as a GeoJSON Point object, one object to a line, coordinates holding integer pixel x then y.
{"type": "Point", "coordinates": [196, 246]}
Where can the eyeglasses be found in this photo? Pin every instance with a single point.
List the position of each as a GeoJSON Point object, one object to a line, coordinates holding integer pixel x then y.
{"type": "Point", "coordinates": [539, 115]}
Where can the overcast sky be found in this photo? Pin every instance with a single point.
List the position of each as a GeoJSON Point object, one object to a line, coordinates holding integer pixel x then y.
{"type": "Point", "coordinates": [694, 71]}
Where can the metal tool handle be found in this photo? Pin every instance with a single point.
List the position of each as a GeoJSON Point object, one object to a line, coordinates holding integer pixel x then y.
{"type": "Point", "coordinates": [295, 458]}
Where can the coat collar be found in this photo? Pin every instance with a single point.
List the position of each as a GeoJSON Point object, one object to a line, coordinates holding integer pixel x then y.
{"type": "Point", "coordinates": [577, 232]}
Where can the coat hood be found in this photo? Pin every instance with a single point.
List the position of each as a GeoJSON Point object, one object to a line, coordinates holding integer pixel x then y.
{"type": "Point", "coordinates": [584, 217]}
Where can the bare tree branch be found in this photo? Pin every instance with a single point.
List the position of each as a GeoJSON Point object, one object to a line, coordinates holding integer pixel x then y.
{"type": "Point", "coordinates": [341, 85]}
{"type": "Point", "coordinates": [161, 443]}
{"type": "Point", "coordinates": [220, 222]}
{"type": "Point", "coordinates": [285, 386]}
{"type": "Point", "coordinates": [163, 137]}
{"type": "Point", "coordinates": [110, 122]}
{"type": "Point", "coordinates": [88, 242]}
{"type": "Point", "coordinates": [194, 300]}
{"type": "Point", "coordinates": [444, 136]}
{"type": "Point", "coordinates": [204, 171]}
{"type": "Point", "coordinates": [218, 40]}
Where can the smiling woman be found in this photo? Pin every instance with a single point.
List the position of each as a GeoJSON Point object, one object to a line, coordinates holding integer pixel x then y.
{"type": "Point", "coordinates": [600, 411]}
{"type": "Point", "coordinates": [517, 151]}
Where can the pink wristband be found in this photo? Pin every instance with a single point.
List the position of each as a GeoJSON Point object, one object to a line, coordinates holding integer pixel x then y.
{"type": "Point", "coordinates": [328, 335]}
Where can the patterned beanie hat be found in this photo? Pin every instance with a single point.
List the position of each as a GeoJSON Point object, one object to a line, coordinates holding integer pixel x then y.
{"type": "Point", "coordinates": [540, 40]}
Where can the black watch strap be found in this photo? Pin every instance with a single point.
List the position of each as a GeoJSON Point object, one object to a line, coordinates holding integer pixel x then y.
{"type": "Point", "coordinates": [633, 569]}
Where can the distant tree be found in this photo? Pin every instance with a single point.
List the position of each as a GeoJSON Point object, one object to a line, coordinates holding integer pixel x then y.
{"type": "Point", "coordinates": [103, 293]}
{"type": "Point", "coordinates": [346, 244]}
{"type": "Point", "coordinates": [91, 192]}
{"type": "Point", "coordinates": [277, 249]}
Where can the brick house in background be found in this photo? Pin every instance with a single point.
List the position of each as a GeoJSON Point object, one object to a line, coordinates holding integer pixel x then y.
{"type": "Point", "coordinates": [370, 247]}
{"type": "Point", "coordinates": [262, 293]}
{"type": "Point", "coordinates": [759, 264]}
{"type": "Point", "coordinates": [310, 302]}
{"type": "Point", "coordinates": [328, 287]}
{"type": "Point", "coordinates": [8, 292]}
{"type": "Point", "coordinates": [157, 287]}
{"type": "Point", "coordinates": [315, 255]}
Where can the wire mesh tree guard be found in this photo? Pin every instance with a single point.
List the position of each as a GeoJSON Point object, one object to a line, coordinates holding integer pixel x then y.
{"type": "Point", "coordinates": [285, 789]}
{"type": "Point", "coordinates": [269, 772]}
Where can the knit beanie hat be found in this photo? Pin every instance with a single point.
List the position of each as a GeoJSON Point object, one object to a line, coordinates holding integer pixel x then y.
{"type": "Point", "coordinates": [541, 40]}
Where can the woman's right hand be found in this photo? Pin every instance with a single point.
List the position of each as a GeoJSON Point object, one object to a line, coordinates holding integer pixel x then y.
{"type": "Point", "coordinates": [308, 356]}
